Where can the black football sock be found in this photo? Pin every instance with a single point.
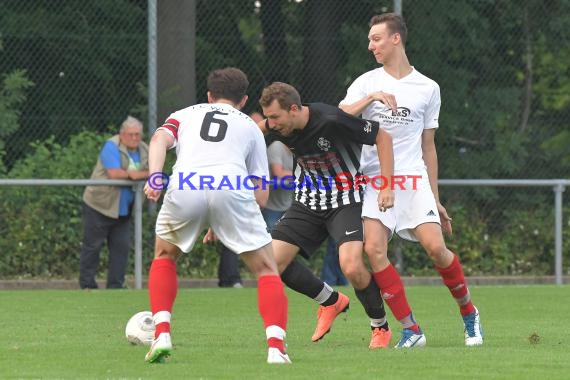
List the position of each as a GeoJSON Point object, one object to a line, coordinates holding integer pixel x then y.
{"type": "Point", "coordinates": [383, 327]}
{"type": "Point", "coordinates": [373, 304]}
{"type": "Point", "coordinates": [302, 280]}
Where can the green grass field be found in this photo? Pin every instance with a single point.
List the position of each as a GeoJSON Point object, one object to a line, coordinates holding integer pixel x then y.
{"type": "Point", "coordinates": [218, 334]}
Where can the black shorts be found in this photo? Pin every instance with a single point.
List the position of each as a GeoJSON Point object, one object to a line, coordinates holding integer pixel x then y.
{"type": "Point", "coordinates": [307, 229]}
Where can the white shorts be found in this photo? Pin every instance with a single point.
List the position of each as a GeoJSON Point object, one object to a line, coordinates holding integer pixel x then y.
{"type": "Point", "coordinates": [412, 207]}
{"type": "Point", "coordinates": [233, 215]}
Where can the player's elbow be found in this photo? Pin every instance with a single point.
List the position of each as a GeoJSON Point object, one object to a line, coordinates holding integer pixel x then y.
{"type": "Point", "coordinates": [162, 140]}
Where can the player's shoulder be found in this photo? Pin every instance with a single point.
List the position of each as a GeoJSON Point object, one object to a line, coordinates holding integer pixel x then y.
{"type": "Point", "coordinates": [369, 77]}
{"type": "Point", "coordinates": [418, 76]}
{"type": "Point", "coordinates": [190, 110]}
{"type": "Point", "coordinates": [323, 108]}
{"type": "Point", "coordinates": [323, 112]}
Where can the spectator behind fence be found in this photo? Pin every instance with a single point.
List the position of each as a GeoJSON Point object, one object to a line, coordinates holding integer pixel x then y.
{"type": "Point", "coordinates": [107, 209]}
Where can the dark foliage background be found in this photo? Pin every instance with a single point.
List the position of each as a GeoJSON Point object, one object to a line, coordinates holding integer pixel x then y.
{"type": "Point", "coordinates": [71, 71]}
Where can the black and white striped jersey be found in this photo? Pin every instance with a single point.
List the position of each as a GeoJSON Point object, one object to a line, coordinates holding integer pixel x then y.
{"type": "Point", "coordinates": [328, 156]}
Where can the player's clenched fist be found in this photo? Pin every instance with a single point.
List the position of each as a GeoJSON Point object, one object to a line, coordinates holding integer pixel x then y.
{"type": "Point", "coordinates": [150, 193]}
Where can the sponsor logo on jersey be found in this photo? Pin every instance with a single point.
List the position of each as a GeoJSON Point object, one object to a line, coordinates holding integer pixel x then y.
{"type": "Point", "coordinates": [320, 161]}
{"type": "Point", "coordinates": [403, 111]}
{"type": "Point", "coordinates": [402, 116]}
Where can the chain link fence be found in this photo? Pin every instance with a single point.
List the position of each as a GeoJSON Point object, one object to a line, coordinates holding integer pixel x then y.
{"type": "Point", "coordinates": [502, 71]}
{"type": "Point", "coordinates": [86, 60]}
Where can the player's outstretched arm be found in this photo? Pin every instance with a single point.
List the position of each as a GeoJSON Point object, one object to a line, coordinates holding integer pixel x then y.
{"type": "Point", "coordinates": [160, 142]}
{"type": "Point", "coordinates": [386, 156]}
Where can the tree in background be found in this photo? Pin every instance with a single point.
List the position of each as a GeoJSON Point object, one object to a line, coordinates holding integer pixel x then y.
{"type": "Point", "coordinates": [85, 59]}
{"type": "Point", "coordinates": [503, 72]}
{"type": "Point", "coordinates": [12, 96]}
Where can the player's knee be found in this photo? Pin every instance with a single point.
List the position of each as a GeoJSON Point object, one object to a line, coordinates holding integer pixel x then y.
{"type": "Point", "coordinates": [375, 250]}
{"type": "Point", "coordinates": [436, 252]}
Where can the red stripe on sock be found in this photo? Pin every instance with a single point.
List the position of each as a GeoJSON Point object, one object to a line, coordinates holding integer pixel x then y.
{"type": "Point", "coordinates": [276, 343]}
{"type": "Point", "coordinates": [392, 290]}
{"type": "Point", "coordinates": [162, 289]}
{"type": "Point", "coordinates": [454, 279]}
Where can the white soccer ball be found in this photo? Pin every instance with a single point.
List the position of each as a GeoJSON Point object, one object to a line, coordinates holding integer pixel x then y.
{"type": "Point", "coordinates": [140, 329]}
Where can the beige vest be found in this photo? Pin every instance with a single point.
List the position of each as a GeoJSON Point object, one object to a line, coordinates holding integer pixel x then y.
{"type": "Point", "coordinates": [105, 199]}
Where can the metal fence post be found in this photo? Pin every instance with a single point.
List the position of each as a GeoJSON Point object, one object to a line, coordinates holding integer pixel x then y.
{"type": "Point", "coordinates": [152, 69]}
{"type": "Point", "coordinates": [138, 234]}
{"type": "Point", "coordinates": [558, 190]}
{"type": "Point", "coordinates": [398, 7]}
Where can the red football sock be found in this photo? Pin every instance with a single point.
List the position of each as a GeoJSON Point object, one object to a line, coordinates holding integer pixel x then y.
{"type": "Point", "coordinates": [162, 288]}
{"type": "Point", "coordinates": [272, 303]}
{"type": "Point", "coordinates": [454, 279]}
{"type": "Point", "coordinates": [392, 290]}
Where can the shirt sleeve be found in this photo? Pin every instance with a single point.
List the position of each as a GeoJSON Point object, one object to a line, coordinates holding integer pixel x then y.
{"type": "Point", "coordinates": [354, 128]}
{"type": "Point", "coordinates": [110, 156]}
{"type": "Point", "coordinates": [275, 153]}
{"type": "Point", "coordinates": [170, 126]}
{"type": "Point", "coordinates": [431, 117]}
{"type": "Point", "coordinates": [256, 160]}
{"type": "Point", "coordinates": [355, 92]}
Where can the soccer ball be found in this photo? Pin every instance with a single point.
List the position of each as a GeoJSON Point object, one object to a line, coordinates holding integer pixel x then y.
{"type": "Point", "coordinates": [140, 329]}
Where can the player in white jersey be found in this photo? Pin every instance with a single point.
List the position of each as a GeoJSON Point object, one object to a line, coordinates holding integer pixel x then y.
{"type": "Point", "coordinates": [407, 103]}
{"type": "Point", "coordinates": [217, 148]}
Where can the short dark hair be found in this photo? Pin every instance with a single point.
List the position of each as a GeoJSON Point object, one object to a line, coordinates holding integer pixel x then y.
{"type": "Point", "coordinates": [285, 94]}
{"type": "Point", "coordinates": [228, 83]}
{"type": "Point", "coordinates": [394, 22]}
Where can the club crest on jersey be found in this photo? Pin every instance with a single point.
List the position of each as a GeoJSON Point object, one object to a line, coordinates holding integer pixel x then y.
{"type": "Point", "coordinates": [324, 144]}
{"type": "Point", "coordinates": [367, 126]}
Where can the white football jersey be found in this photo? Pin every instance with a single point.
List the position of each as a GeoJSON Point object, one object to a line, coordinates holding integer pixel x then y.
{"type": "Point", "coordinates": [418, 100]}
{"type": "Point", "coordinates": [218, 141]}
